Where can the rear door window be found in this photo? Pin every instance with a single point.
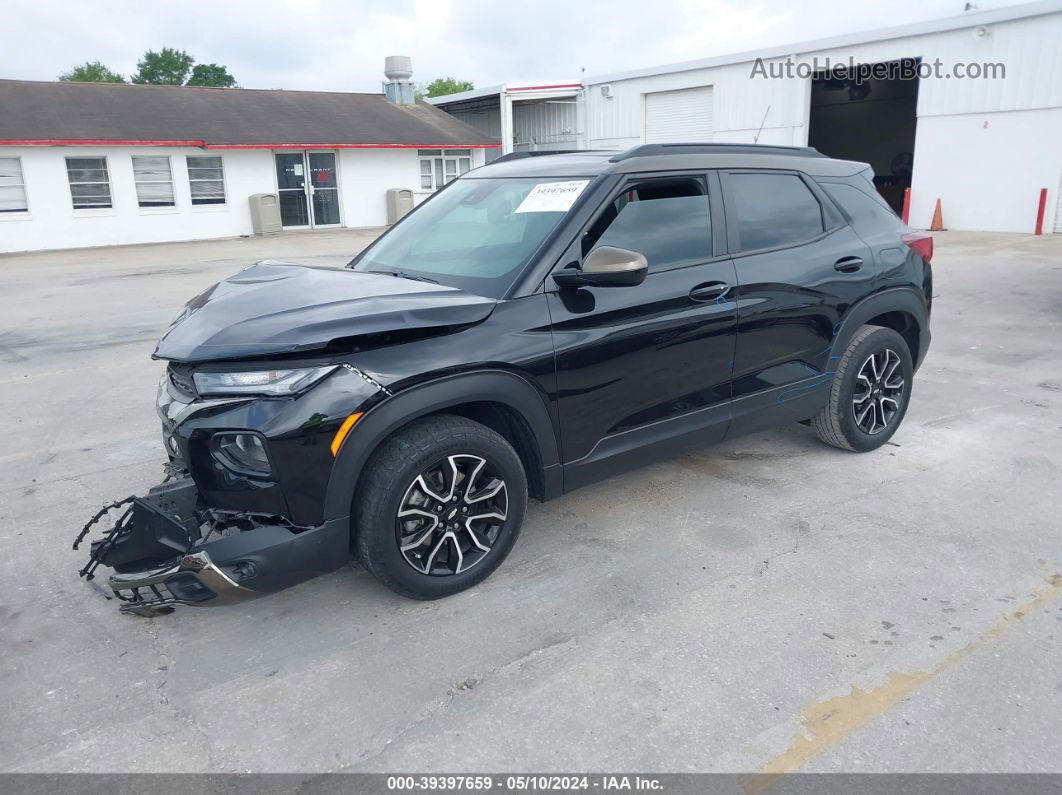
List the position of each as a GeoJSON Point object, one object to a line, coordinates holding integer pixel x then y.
{"type": "Point", "coordinates": [773, 210]}
{"type": "Point", "coordinates": [667, 220]}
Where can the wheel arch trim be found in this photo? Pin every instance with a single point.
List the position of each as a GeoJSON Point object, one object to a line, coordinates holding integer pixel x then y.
{"type": "Point", "coordinates": [901, 299]}
{"type": "Point", "coordinates": [491, 386]}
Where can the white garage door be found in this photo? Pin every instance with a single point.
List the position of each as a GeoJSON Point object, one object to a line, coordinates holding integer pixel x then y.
{"type": "Point", "coordinates": [683, 116]}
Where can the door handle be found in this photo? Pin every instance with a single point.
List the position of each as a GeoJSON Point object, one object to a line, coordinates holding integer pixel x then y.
{"type": "Point", "coordinates": [709, 291]}
{"type": "Point", "coordinates": [848, 264]}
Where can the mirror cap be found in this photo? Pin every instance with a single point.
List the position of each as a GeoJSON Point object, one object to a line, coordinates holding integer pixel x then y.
{"type": "Point", "coordinates": [610, 259]}
{"type": "Point", "coordinates": [606, 266]}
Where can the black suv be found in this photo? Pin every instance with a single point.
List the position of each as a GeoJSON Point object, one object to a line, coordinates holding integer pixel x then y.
{"type": "Point", "coordinates": [541, 323]}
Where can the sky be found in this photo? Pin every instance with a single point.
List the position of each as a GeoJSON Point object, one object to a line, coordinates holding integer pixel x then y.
{"type": "Point", "coordinates": [340, 45]}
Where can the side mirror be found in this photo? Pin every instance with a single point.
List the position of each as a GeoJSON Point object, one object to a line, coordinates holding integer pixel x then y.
{"type": "Point", "coordinates": [606, 266]}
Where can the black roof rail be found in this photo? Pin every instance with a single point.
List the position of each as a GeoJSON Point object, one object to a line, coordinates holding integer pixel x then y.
{"type": "Point", "coordinates": [522, 155]}
{"type": "Point", "coordinates": [651, 150]}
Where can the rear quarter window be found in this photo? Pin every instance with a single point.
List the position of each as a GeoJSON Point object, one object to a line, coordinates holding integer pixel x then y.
{"type": "Point", "coordinates": [868, 213]}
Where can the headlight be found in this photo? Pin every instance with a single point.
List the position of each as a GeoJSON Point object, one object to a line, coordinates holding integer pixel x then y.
{"type": "Point", "coordinates": [263, 382]}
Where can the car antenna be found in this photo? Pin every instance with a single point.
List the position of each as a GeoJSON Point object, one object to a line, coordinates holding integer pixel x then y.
{"type": "Point", "coordinates": [763, 121]}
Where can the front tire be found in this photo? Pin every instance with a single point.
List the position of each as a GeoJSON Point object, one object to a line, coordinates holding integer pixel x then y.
{"type": "Point", "coordinates": [870, 392]}
{"type": "Point", "coordinates": [440, 507]}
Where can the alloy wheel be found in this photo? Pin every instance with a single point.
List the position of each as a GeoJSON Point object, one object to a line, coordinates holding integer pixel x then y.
{"type": "Point", "coordinates": [451, 515]}
{"type": "Point", "coordinates": [879, 391]}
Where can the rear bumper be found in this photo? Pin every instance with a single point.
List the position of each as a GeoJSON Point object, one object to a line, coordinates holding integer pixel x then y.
{"type": "Point", "coordinates": [162, 558]}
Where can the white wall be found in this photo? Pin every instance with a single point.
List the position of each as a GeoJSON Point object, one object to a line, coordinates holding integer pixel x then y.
{"type": "Point", "coordinates": [486, 120]}
{"type": "Point", "coordinates": [1028, 47]}
{"type": "Point", "coordinates": [1018, 153]}
{"type": "Point", "coordinates": [52, 223]}
{"type": "Point", "coordinates": [618, 122]}
{"type": "Point", "coordinates": [545, 125]}
{"type": "Point", "coordinates": [365, 176]}
{"type": "Point", "coordinates": [537, 126]}
{"type": "Point", "coordinates": [987, 169]}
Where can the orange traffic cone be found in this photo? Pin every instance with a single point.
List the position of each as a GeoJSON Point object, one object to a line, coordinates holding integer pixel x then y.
{"type": "Point", "coordinates": [938, 219]}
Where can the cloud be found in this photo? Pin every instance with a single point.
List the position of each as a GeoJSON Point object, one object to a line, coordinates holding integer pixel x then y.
{"type": "Point", "coordinates": [340, 46]}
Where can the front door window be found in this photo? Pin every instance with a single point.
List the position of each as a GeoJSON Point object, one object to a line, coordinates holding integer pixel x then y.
{"type": "Point", "coordinates": [666, 219]}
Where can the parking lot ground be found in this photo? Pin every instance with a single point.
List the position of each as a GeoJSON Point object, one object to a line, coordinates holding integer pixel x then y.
{"type": "Point", "coordinates": [770, 604]}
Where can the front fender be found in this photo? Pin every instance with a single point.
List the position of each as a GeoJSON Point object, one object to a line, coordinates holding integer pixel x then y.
{"type": "Point", "coordinates": [494, 386]}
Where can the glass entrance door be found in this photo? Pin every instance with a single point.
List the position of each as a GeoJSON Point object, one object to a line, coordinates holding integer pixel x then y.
{"type": "Point", "coordinates": [324, 189]}
{"type": "Point", "coordinates": [291, 187]}
{"type": "Point", "coordinates": [308, 189]}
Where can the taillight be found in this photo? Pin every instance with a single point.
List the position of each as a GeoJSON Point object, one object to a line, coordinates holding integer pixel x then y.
{"type": "Point", "coordinates": [920, 244]}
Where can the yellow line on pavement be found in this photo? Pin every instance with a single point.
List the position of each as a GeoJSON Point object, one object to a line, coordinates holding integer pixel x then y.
{"type": "Point", "coordinates": [827, 723]}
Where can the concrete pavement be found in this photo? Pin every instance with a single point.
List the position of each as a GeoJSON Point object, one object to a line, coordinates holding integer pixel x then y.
{"type": "Point", "coordinates": [770, 604]}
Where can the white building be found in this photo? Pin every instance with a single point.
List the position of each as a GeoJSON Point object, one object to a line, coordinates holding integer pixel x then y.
{"type": "Point", "coordinates": [91, 164]}
{"type": "Point", "coordinates": [980, 128]}
{"type": "Point", "coordinates": [534, 116]}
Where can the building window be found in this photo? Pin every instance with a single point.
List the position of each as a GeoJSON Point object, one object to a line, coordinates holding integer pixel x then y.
{"type": "Point", "coordinates": [154, 181]}
{"type": "Point", "coordinates": [90, 184]}
{"type": "Point", "coordinates": [439, 166]}
{"type": "Point", "coordinates": [12, 186]}
{"type": "Point", "coordinates": [206, 179]}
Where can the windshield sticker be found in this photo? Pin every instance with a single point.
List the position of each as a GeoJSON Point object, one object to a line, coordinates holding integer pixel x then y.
{"type": "Point", "coordinates": [552, 197]}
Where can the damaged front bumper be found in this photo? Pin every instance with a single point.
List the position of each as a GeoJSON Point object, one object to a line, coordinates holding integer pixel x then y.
{"type": "Point", "coordinates": [194, 580]}
{"type": "Point", "coordinates": [167, 549]}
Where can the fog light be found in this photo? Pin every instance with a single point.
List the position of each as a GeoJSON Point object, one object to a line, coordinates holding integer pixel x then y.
{"type": "Point", "coordinates": [188, 589]}
{"type": "Point", "coordinates": [245, 450]}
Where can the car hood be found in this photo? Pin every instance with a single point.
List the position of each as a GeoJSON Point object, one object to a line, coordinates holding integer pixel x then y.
{"type": "Point", "coordinates": [273, 308]}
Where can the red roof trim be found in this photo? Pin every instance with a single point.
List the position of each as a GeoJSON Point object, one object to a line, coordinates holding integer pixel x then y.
{"type": "Point", "coordinates": [93, 142]}
{"type": "Point", "coordinates": [543, 88]}
{"type": "Point", "coordinates": [351, 146]}
{"type": "Point", "coordinates": [203, 145]}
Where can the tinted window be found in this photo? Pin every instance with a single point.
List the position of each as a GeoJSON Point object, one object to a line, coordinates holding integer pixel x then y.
{"type": "Point", "coordinates": [868, 214]}
{"type": "Point", "coordinates": [774, 210]}
{"type": "Point", "coordinates": [666, 220]}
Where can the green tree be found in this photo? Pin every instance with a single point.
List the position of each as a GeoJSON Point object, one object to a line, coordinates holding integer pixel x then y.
{"type": "Point", "coordinates": [211, 74]}
{"type": "Point", "coordinates": [91, 72]}
{"type": "Point", "coordinates": [441, 86]}
{"type": "Point", "coordinates": [167, 67]}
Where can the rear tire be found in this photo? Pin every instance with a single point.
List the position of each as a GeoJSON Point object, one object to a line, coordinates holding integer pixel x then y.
{"type": "Point", "coordinates": [439, 507]}
{"type": "Point", "coordinates": [870, 392]}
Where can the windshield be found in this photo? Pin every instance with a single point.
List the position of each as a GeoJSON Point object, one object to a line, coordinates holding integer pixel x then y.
{"type": "Point", "coordinates": [476, 235]}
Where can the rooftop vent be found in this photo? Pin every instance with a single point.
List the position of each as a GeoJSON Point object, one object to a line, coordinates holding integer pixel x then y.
{"type": "Point", "coordinates": [398, 69]}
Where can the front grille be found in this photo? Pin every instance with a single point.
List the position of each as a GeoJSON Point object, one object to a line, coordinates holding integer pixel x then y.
{"type": "Point", "coordinates": [181, 378]}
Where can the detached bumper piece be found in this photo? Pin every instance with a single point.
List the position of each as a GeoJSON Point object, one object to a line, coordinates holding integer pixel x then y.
{"type": "Point", "coordinates": [162, 558]}
{"type": "Point", "coordinates": [193, 580]}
